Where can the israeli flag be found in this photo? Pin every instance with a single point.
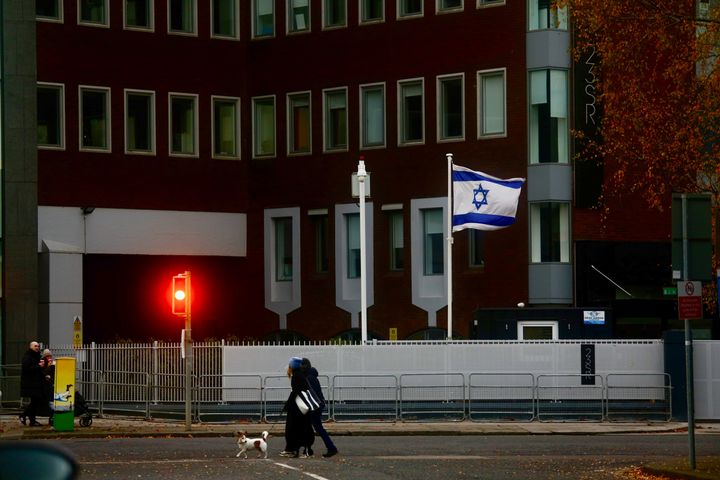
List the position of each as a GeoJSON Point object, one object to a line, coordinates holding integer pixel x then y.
{"type": "Point", "coordinates": [483, 202]}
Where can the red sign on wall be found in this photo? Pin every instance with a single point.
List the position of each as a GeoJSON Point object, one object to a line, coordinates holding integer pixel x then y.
{"type": "Point", "coordinates": [690, 300]}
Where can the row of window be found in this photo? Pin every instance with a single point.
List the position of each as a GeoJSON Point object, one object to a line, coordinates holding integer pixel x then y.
{"type": "Point", "coordinates": [224, 14]}
{"type": "Point", "coordinates": [549, 240]}
{"type": "Point", "coordinates": [548, 117]}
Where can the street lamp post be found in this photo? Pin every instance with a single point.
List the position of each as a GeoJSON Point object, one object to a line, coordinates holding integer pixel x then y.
{"type": "Point", "coordinates": [361, 176]}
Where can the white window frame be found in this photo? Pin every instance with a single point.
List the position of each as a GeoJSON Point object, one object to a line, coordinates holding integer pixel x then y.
{"type": "Point", "coordinates": [373, 21]}
{"type": "Point", "coordinates": [480, 106]}
{"type": "Point", "coordinates": [153, 125]}
{"type": "Point", "coordinates": [536, 230]}
{"type": "Point", "coordinates": [108, 127]}
{"type": "Point", "coordinates": [288, 19]}
{"type": "Point", "coordinates": [253, 22]}
{"type": "Point", "coordinates": [196, 124]}
{"type": "Point", "coordinates": [534, 323]}
{"type": "Point", "coordinates": [61, 120]}
{"type": "Point", "coordinates": [439, 107]}
{"type": "Point", "coordinates": [194, 32]}
{"type": "Point", "coordinates": [392, 216]}
{"type": "Point", "coordinates": [400, 16]}
{"type": "Point", "coordinates": [236, 20]}
{"type": "Point", "coordinates": [254, 101]}
{"type": "Point", "coordinates": [151, 18]}
{"type": "Point", "coordinates": [105, 24]}
{"type": "Point", "coordinates": [362, 88]}
{"type": "Point", "coordinates": [400, 123]}
{"type": "Point", "coordinates": [440, 10]}
{"type": "Point", "coordinates": [58, 19]}
{"type": "Point", "coordinates": [326, 147]}
{"type": "Point", "coordinates": [236, 102]}
{"type": "Point", "coordinates": [533, 136]}
{"type": "Point", "coordinates": [291, 125]}
{"type": "Point", "coordinates": [490, 3]}
{"type": "Point", "coordinates": [560, 16]}
{"type": "Point", "coordinates": [325, 26]}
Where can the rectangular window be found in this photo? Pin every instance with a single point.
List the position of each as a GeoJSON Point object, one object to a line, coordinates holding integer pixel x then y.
{"type": "Point", "coordinates": [451, 101]}
{"type": "Point", "coordinates": [299, 131]}
{"type": "Point", "coordinates": [93, 12]}
{"type": "Point", "coordinates": [283, 249]}
{"type": "Point", "coordinates": [225, 19]}
{"type": "Point", "coordinates": [396, 240]}
{"type": "Point", "coordinates": [139, 14]}
{"type": "Point", "coordinates": [433, 258]}
{"type": "Point", "coordinates": [550, 232]}
{"type": "Point", "coordinates": [139, 122]}
{"type": "Point", "coordinates": [94, 118]}
{"type": "Point", "coordinates": [409, 8]}
{"type": "Point", "coordinates": [372, 11]}
{"type": "Point", "coordinates": [183, 124]}
{"type": "Point", "coordinates": [181, 16]}
{"type": "Point", "coordinates": [476, 244]}
{"type": "Point", "coordinates": [264, 126]}
{"type": "Point", "coordinates": [50, 10]}
{"type": "Point", "coordinates": [320, 228]}
{"type": "Point", "coordinates": [263, 18]}
{"type": "Point", "coordinates": [449, 5]}
{"type": "Point", "coordinates": [545, 14]}
{"type": "Point", "coordinates": [549, 132]}
{"type": "Point", "coordinates": [334, 13]}
{"type": "Point", "coordinates": [226, 127]}
{"type": "Point", "coordinates": [372, 116]}
{"type": "Point", "coordinates": [491, 103]}
{"type": "Point", "coordinates": [298, 12]}
{"type": "Point", "coordinates": [529, 330]}
{"type": "Point", "coordinates": [335, 119]}
{"type": "Point", "coordinates": [50, 114]}
{"type": "Point", "coordinates": [411, 128]}
{"type": "Point", "coordinates": [352, 222]}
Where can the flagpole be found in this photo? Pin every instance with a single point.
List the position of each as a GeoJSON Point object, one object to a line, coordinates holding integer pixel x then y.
{"type": "Point", "coordinates": [449, 246]}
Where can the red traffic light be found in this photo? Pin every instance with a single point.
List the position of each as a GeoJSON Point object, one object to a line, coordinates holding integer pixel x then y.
{"type": "Point", "coordinates": [181, 294]}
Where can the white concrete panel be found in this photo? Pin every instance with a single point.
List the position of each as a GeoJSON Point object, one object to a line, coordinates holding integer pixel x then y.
{"type": "Point", "coordinates": [65, 284]}
{"type": "Point", "coordinates": [144, 232]}
{"type": "Point", "coordinates": [62, 316]}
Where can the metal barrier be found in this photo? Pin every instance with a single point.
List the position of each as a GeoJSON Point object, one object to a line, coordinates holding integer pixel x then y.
{"type": "Point", "coordinates": [501, 396]}
{"type": "Point", "coordinates": [276, 389]}
{"type": "Point", "coordinates": [432, 396]}
{"type": "Point", "coordinates": [10, 399]}
{"type": "Point", "coordinates": [230, 397]}
{"type": "Point", "coordinates": [563, 396]}
{"type": "Point", "coordinates": [365, 397]}
{"type": "Point", "coordinates": [125, 392]}
{"type": "Point", "coordinates": [638, 396]}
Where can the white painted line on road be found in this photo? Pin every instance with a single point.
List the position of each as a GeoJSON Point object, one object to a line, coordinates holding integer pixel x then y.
{"type": "Point", "coordinates": [433, 457]}
{"type": "Point", "coordinates": [311, 475]}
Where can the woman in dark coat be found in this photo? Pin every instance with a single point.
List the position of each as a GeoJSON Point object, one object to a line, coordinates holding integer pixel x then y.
{"type": "Point", "coordinates": [32, 381]}
{"type": "Point", "coordinates": [298, 427]}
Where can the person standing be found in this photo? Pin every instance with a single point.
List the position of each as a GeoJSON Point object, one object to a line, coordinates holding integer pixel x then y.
{"type": "Point", "coordinates": [48, 367]}
{"type": "Point", "coordinates": [298, 428]}
{"type": "Point", "coordinates": [311, 374]}
{"type": "Point", "coordinates": [32, 380]}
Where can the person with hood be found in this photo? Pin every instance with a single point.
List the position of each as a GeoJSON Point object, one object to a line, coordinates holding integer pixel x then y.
{"type": "Point", "coordinates": [32, 381]}
{"type": "Point", "coordinates": [298, 427]}
{"type": "Point", "coordinates": [311, 374]}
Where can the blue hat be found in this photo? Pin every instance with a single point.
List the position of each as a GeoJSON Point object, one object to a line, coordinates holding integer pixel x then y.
{"type": "Point", "coordinates": [295, 363]}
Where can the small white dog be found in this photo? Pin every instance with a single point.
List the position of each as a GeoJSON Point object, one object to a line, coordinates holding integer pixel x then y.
{"type": "Point", "coordinates": [245, 444]}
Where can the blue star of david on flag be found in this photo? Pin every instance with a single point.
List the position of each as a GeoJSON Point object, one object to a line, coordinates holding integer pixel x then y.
{"type": "Point", "coordinates": [483, 202]}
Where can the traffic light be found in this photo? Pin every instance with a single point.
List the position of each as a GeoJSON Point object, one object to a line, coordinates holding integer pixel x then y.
{"type": "Point", "coordinates": [181, 294]}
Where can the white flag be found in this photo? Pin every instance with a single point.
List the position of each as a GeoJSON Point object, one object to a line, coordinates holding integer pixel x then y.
{"type": "Point", "coordinates": [483, 202]}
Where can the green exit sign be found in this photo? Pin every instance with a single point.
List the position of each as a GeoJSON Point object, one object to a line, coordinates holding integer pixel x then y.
{"type": "Point", "coordinates": [669, 291]}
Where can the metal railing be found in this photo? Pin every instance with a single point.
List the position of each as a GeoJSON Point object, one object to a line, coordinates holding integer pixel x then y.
{"type": "Point", "coordinates": [645, 396]}
{"type": "Point", "coordinates": [501, 396]}
{"type": "Point", "coordinates": [576, 396]}
{"type": "Point", "coordinates": [432, 396]}
{"type": "Point", "coordinates": [365, 397]}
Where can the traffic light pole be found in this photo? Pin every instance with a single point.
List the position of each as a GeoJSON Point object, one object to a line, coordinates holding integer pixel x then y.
{"type": "Point", "coordinates": [188, 355]}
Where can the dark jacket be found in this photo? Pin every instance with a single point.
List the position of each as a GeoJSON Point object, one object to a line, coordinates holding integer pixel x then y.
{"type": "Point", "coordinates": [312, 379]}
{"type": "Point", "coordinates": [298, 427]}
{"type": "Point", "coordinates": [32, 378]}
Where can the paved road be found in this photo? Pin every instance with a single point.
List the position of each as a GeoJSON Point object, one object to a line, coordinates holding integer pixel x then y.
{"type": "Point", "coordinates": [385, 458]}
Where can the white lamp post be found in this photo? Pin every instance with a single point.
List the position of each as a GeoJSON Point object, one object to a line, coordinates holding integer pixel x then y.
{"type": "Point", "coordinates": [361, 176]}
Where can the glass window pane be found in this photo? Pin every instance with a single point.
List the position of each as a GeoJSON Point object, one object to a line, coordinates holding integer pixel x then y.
{"type": "Point", "coordinates": [476, 240]}
{"type": "Point", "coordinates": [264, 21]}
{"type": "Point", "coordinates": [298, 15]}
{"type": "Point", "coordinates": [433, 242]}
{"type": "Point", "coordinates": [321, 243]}
{"type": "Point", "coordinates": [93, 11]}
{"type": "Point", "coordinates": [410, 7]}
{"type": "Point", "coordinates": [395, 221]}
{"type": "Point", "coordinates": [182, 16]}
{"type": "Point", "coordinates": [137, 13]}
{"type": "Point", "coordinates": [493, 103]}
{"type": "Point", "coordinates": [451, 108]}
{"type": "Point", "coordinates": [352, 222]}
{"type": "Point", "coordinates": [335, 120]}
{"type": "Point", "coordinates": [94, 119]}
{"type": "Point", "coordinates": [549, 134]}
{"type": "Point", "coordinates": [283, 249]}
{"type": "Point", "coordinates": [550, 232]}
{"type": "Point", "coordinates": [373, 122]}
{"type": "Point", "coordinates": [334, 13]}
{"type": "Point", "coordinates": [372, 10]}
{"type": "Point", "coordinates": [49, 120]}
{"type": "Point", "coordinates": [225, 123]}
{"type": "Point", "coordinates": [264, 126]}
{"type": "Point", "coordinates": [299, 123]}
{"type": "Point", "coordinates": [411, 107]}
{"type": "Point", "coordinates": [139, 122]}
{"type": "Point", "coordinates": [182, 117]}
{"type": "Point", "coordinates": [224, 18]}
{"type": "Point", "coordinates": [450, 4]}
{"type": "Point", "coordinates": [47, 9]}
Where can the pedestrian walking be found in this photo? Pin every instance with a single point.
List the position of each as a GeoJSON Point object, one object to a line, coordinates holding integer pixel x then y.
{"type": "Point", "coordinates": [32, 380]}
{"type": "Point", "coordinates": [48, 367]}
{"type": "Point", "coordinates": [298, 427]}
{"type": "Point", "coordinates": [311, 374]}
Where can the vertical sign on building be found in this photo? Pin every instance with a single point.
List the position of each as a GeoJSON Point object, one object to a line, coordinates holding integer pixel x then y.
{"type": "Point", "coordinates": [587, 364]}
